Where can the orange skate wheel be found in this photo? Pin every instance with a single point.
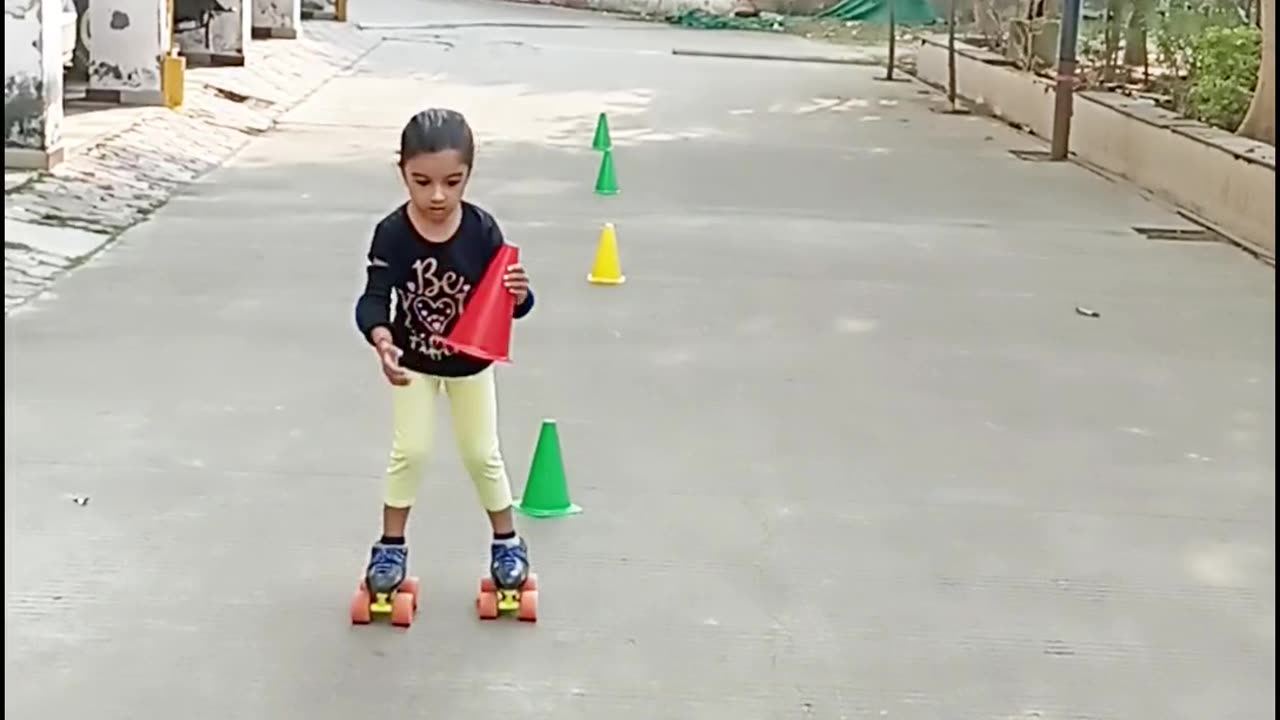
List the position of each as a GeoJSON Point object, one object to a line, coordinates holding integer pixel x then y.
{"type": "Point", "coordinates": [487, 586]}
{"type": "Point", "coordinates": [530, 583]}
{"type": "Point", "coordinates": [528, 606]}
{"type": "Point", "coordinates": [402, 610]}
{"type": "Point", "coordinates": [411, 586]}
{"type": "Point", "coordinates": [487, 605]}
{"type": "Point", "coordinates": [360, 614]}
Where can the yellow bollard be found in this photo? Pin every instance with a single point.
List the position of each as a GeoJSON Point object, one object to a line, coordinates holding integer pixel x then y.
{"type": "Point", "coordinates": [173, 79]}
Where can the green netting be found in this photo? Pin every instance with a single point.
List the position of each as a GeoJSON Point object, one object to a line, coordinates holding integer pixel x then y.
{"type": "Point", "coordinates": [905, 12]}
{"type": "Point", "coordinates": [872, 12]}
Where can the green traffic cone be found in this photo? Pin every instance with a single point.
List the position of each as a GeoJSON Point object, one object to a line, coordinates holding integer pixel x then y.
{"type": "Point", "coordinates": [606, 179]}
{"type": "Point", "coordinates": [546, 493]}
{"type": "Point", "coordinates": [602, 141]}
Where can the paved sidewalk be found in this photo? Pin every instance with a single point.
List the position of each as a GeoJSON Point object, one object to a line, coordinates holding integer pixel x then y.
{"type": "Point", "coordinates": [53, 221]}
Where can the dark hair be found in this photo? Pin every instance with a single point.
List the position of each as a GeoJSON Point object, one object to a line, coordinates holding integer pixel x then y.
{"type": "Point", "coordinates": [436, 130]}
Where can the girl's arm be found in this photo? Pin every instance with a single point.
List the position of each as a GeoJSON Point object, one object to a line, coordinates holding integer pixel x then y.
{"type": "Point", "coordinates": [373, 309]}
{"type": "Point", "coordinates": [525, 307]}
{"type": "Point", "coordinates": [498, 239]}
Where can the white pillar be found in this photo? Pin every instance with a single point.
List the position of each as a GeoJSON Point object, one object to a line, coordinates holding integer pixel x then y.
{"type": "Point", "coordinates": [277, 18]}
{"type": "Point", "coordinates": [127, 39]}
{"type": "Point", "coordinates": [33, 84]}
{"type": "Point", "coordinates": [213, 32]}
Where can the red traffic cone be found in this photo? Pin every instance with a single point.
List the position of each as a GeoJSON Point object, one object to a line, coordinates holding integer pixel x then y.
{"type": "Point", "coordinates": [484, 328]}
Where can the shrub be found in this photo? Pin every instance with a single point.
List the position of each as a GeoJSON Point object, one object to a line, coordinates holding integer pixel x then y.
{"type": "Point", "coordinates": [1222, 74]}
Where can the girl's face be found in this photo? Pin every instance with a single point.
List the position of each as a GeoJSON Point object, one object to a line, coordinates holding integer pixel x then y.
{"type": "Point", "coordinates": [435, 182]}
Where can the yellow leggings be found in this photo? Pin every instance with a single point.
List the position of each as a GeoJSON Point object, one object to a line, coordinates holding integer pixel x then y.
{"type": "Point", "coordinates": [473, 403]}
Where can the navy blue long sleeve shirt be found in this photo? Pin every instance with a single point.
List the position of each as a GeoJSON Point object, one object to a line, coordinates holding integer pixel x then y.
{"type": "Point", "coordinates": [430, 283]}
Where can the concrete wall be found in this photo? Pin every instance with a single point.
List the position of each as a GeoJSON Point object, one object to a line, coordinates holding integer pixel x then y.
{"type": "Point", "coordinates": [32, 82]}
{"type": "Point", "coordinates": [662, 7]}
{"type": "Point", "coordinates": [213, 31]}
{"type": "Point", "coordinates": [665, 7]}
{"type": "Point", "coordinates": [277, 18]}
{"type": "Point", "coordinates": [322, 8]}
{"type": "Point", "coordinates": [1227, 180]}
{"type": "Point", "coordinates": [644, 7]}
{"type": "Point", "coordinates": [126, 42]}
{"type": "Point", "coordinates": [792, 7]}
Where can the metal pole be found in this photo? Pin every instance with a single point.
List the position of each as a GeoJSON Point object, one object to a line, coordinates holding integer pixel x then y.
{"type": "Point", "coordinates": [893, 42]}
{"type": "Point", "coordinates": [1064, 87]}
{"type": "Point", "coordinates": [951, 53]}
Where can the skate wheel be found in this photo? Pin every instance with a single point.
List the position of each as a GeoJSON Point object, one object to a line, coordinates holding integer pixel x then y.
{"type": "Point", "coordinates": [530, 583]}
{"type": "Point", "coordinates": [412, 586]}
{"type": "Point", "coordinates": [487, 605]}
{"type": "Point", "coordinates": [402, 610]}
{"type": "Point", "coordinates": [360, 614]}
{"type": "Point", "coordinates": [487, 585]}
{"type": "Point", "coordinates": [528, 606]}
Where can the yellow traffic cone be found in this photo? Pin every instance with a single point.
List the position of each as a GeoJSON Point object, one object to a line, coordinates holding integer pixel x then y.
{"type": "Point", "coordinates": [607, 269]}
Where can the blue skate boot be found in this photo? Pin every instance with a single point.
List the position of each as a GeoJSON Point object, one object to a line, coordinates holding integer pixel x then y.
{"type": "Point", "coordinates": [511, 587]}
{"type": "Point", "coordinates": [388, 567]}
{"type": "Point", "coordinates": [509, 564]}
{"type": "Point", "coordinates": [387, 588]}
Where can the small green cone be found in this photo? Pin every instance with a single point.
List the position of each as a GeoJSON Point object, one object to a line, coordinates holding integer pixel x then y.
{"type": "Point", "coordinates": [602, 141]}
{"type": "Point", "coordinates": [546, 493]}
{"type": "Point", "coordinates": [606, 179]}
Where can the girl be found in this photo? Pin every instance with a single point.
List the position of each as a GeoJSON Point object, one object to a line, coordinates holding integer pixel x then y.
{"type": "Point", "coordinates": [431, 251]}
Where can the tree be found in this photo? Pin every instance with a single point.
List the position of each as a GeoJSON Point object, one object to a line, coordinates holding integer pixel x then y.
{"type": "Point", "coordinates": [1135, 39]}
{"type": "Point", "coordinates": [1260, 120]}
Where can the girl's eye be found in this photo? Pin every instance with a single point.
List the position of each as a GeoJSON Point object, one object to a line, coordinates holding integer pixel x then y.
{"type": "Point", "coordinates": [424, 183]}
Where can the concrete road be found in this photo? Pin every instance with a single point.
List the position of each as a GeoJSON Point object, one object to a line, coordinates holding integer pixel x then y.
{"type": "Point", "coordinates": [846, 448]}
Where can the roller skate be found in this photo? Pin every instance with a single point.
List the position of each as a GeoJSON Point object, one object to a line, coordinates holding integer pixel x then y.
{"type": "Point", "coordinates": [386, 589]}
{"type": "Point", "coordinates": [510, 587]}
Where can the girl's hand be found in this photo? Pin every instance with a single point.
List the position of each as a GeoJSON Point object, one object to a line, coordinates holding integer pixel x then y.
{"type": "Point", "coordinates": [517, 282]}
{"type": "Point", "coordinates": [389, 356]}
